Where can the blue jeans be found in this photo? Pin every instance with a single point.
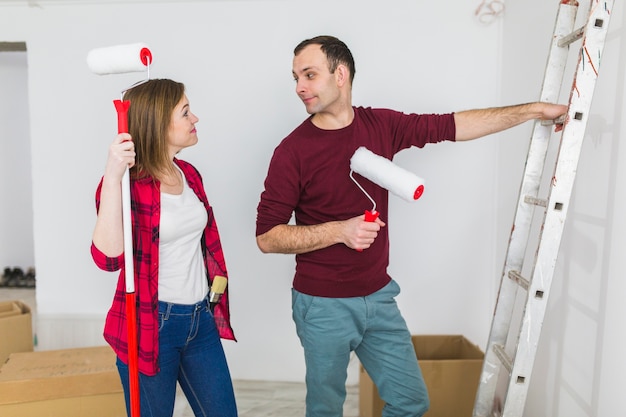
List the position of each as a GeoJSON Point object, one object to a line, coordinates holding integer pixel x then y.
{"type": "Point", "coordinates": [190, 353]}
{"type": "Point", "coordinates": [372, 326]}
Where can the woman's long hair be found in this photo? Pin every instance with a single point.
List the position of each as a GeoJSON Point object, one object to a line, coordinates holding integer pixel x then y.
{"type": "Point", "coordinates": [151, 106]}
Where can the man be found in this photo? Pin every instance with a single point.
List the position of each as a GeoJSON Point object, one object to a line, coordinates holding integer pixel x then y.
{"type": "Point", "coordinates": [343, 298]}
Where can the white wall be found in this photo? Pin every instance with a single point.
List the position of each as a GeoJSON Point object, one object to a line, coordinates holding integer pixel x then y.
{"type": "Point", "coordinates": [235, 58]}
{"type": "Point", "coordinates": [16, 209]}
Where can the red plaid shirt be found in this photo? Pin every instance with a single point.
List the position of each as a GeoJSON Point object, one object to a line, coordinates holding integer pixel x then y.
{"type": "Point", "coordinates": [146, 214]}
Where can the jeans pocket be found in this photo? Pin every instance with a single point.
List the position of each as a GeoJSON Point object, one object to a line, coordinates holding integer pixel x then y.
{"type": "Point", "coordinates": [302, 305]}
{"type": "Point", "coordinates": [389, 292]}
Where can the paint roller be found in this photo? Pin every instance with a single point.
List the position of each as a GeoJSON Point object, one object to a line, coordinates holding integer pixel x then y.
{"type": "Point", "coordinates": [117, 60]}
{"type": "Point", "coordinates": [121, 59]}
{"type": "Point", "coordinates": [386, 174]}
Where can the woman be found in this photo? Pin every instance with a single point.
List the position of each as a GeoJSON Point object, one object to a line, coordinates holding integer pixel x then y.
{"type": "Point", "coordinates": [177, 253]}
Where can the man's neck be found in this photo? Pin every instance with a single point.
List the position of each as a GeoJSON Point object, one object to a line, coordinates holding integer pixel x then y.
{"type": "Point", "coordinates": [334, 120]}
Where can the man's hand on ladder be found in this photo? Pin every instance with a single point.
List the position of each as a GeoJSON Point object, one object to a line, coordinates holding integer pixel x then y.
{"type": "Point", "coordinates": [554, 114]}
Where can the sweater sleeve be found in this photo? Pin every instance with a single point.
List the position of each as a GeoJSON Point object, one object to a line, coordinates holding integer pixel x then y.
{"type": "Point", "coordinates": [422, 129]}
{"type": "Point", "coordinates": [281, 193]}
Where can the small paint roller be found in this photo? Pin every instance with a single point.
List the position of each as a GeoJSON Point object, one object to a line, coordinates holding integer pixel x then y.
{"type": "Point", "coordinates": [121, 59]}
{"type": "Point", "coordinates": [135, 57]}
{"type": "Point", "coordinates": [217, 289]}
{"type": "Point", "coordinates": [117, 60]}
{"type": "Point", "coordinates": [386, 174]}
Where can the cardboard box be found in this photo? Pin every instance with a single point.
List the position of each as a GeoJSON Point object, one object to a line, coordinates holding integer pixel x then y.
{"type": "Point", "coordinates": [64, 383]}
{"type": "Point", "coordinates": [16, 329]}
{"type": "Point", "coordinates": [451, 366]}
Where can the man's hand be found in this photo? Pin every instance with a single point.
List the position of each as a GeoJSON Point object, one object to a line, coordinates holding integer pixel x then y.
{"type": "Point", "coordinates": [360, 234]}
{"type": "Point", "coordinates": [556, 113]}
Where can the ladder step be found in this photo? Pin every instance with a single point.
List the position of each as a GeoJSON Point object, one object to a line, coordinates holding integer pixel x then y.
{"type": "Point", "coordinates": [536, 201]}
{"type": "Point", "coordinates": [504, 358]}
{"type": "Point", "coordinates": [572, 37]}
{"type": "Point", "coordinates": [558, 121]}
{"type": "Point", "coordinates": [578, 33]}
{"type": "Point", "coordinates": [519, 279]}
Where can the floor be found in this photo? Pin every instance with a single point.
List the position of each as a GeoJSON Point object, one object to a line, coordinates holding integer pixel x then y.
{"type": "Point", "coordinates": [254, 398]}
{"type": "Point", "coordinates": [272, 399]}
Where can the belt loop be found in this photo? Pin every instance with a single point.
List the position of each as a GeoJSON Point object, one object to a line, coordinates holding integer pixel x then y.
{"type": "Point", "coordinates": [168, 311]}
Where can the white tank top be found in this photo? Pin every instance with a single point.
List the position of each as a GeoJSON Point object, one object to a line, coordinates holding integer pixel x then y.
{"type": "Point", "coordinates": [182, 275]}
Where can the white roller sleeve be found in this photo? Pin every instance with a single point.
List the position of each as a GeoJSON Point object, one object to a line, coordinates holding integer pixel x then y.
{"type": "Point", "coordinates": [388, 175]}
{"type": "Point", "coordinates": [119, 59]}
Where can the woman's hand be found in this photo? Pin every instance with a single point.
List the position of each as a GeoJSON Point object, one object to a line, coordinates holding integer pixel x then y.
{"type": "Point", "coordinates": [121, 156]}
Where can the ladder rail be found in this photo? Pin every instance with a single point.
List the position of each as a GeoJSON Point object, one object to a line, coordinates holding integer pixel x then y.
{"type": "Point", "coordinates": [561, 188]}
{"type": "Point", "coordinates": [498, 364]}
{"type": "Point", "coordinates": [555, 69]}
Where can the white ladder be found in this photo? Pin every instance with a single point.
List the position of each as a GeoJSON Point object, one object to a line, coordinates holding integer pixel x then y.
{"type": "Point", "coordinates": [521, 302]}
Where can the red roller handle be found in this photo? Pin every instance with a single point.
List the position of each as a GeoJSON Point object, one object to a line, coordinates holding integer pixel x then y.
{"type": "Point", "coordinates": [133, 362]}
{"type": "Point", "coordinates": [370, 216]}
{"type": "Point", "coordinates": [122, 115]}
{"type": "Point", "coordinates": [131, 302]}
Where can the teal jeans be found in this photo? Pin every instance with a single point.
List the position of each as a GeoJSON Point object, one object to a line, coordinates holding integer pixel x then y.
{"type": "Point", "coordinates": [371, 326]}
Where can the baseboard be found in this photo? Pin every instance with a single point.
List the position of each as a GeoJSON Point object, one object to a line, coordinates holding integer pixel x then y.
{"type": "Point", "coordinates": [68, 331]}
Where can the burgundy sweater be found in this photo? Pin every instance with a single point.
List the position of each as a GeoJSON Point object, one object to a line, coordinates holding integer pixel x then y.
{"type": "Point", "coordinates": [309, 176]}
